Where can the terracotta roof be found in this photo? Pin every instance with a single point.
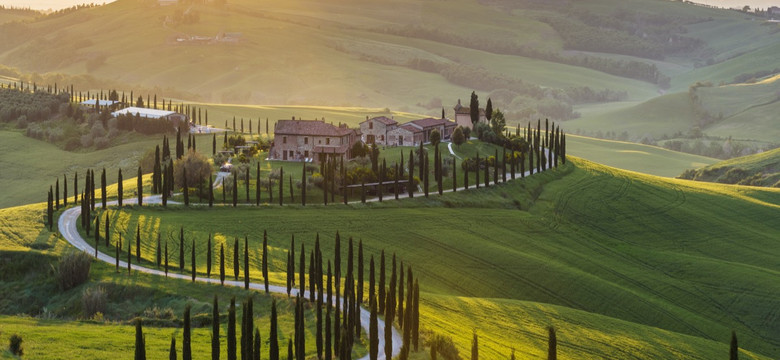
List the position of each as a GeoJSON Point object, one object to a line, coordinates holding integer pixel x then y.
{"type": "Point", "coordinates": [309, 127]}
{"type": "Point", "coordinates": [385, 120]}
{"type": "Point", "coordinates": [411, 128]}
{"type": "Point", "coordinates": [430, 122]}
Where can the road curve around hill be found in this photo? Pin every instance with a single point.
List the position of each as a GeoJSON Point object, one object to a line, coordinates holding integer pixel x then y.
{"type": "Point", "coordinates": [67, 227]}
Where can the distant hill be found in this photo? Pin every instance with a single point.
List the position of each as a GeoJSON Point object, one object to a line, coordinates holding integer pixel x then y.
{"type": "Point", "coordinates": [758, 170]}
{"type": "Point", "coordinates": [532, 58]}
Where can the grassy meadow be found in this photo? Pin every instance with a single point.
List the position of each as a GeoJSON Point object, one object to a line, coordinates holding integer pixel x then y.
{"type": "Point", "coordinates": [758, 170]}
{"type": "Point", "coordinates": [644, 257]}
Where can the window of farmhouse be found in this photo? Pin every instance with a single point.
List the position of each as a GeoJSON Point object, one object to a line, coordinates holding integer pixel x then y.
{"type": "Point", "coordinates": [284, 139]}
{"type": "Point", "coordinates": [306, 140]}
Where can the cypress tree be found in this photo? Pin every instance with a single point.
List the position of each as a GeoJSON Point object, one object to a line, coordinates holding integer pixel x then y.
{"type": "Point", "coordinates": [236, 266]}
{"type": "Point", "coordinates": [92, 190]}
{"type": "Point", "coordinates": [246, 265]}
{"type": "Point", "coordinates": [395, 184]}
{"type": "Point", "coordinates": [371, 282]}
{"type": "Point", "coordinates": [734, 347]}
{"type": "Point", "coordinates": [231, 330]}
{"type": "Point", "coordinates": [76, 187]}
{"type": "Point", "coordinates": [552, 344]}
{"type": "Point", "coordinates": [400, 311]}
{"type": "Point", "coordinates": [172, 351]}
{"type": "Point", "coordinates": [214, 144]}
{"type": "Point", "coordinates": [215, 330]}
{"type": "Point", "coordinates": [290, 274]}
{"type": "Point", "coordinates": [303, 186]}
{"type": "Point", "coordinates": [381, 293]}
{"type": "Point", "coordinates": [292, 196]}
{"type": "Point", "coordinates": [328, 351]}
{"type": "Point", "coordinates": [186, 348]}
{"type": "Point", "coordinates": [106, 231]}
{"type": "Point", "coordinates": [312, 276]}
{"type": "Point", "coordinates": [57, 194]}
{"type": "Point", "coordinates": [318, 337]}
{"type": "Point", "coordinates": [257, 347]}
{"type": "Point", "coordinates": [337, 286]}
{"type": "Point", "coordinates": [290, 355]}
{"type": "Point", "coordinates": [273, 346]}
{"type": "Point", "coordinates": [487, 172]}
{"type": "Point", "coordinates": [388, 326]}
{"type": "Point", "coordinates": [208, 257]}
{"type": "Point", "coordinates": [181, 249]}
{"type": "Point", "coordinates": [138, 243]}
{"type": "Point", "coordinates": [373, 331]}
{"type": "Point", "coordinates": [140, 187]}
{"type": "Point", "coordinates": [302, 267]}
{"type": "Point", "coordinates": [454, 174]}
{"type": "Point", "coordinates": [416, 315]}
{"type": "Point", "coordinates": [475, 348]}
{"type": "Point", "coordinates": [140, 345]}
{"type": "Point", "coordinates": [158, 257]}
{"type": "Point", "coordinates": [222, 264]}
{"type": "Point", "coordinates": [194, 268]}
{"type": "Point", "coordinates": [50, 210]}
{"type": "Point", "coordinates": [65, 190]}
{"type": "Point", "coordinates": [246, 185]}
{"type": "Point", "coordinates": [119, 190]}
{"type": "Point", "coordinates": [265, 260]}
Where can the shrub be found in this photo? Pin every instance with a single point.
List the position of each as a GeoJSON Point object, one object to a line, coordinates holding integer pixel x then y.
{"type": "Point", "coordinates": [93, 300]}
{"type": "Point", "coordinates": [445, 347]}
{"type": "Point", "coordinates": [73, 270]}
{"type": "Point", "coordinates": [15, 345]}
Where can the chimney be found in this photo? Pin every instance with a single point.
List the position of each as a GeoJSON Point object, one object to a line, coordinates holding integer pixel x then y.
{"type": "Point", "coordinates": [293, 117]}
{"type": "Point", "coordinates": [458, 101]}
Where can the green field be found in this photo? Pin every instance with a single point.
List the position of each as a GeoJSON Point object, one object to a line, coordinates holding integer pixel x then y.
{"type": "Point", "coordinates": [759, 170]}
{"type": "Point", "coordinates": [645, 256]}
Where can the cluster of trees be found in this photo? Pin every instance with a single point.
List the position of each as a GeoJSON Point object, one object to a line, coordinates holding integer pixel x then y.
{"type": "Point", "coordinates": [33, 106]}
{"type": "Point", "coordinates": [396, 296]}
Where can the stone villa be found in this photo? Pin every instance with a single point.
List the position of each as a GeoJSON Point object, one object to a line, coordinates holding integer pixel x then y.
{"type": "Point", "coordinates": [298, 140]}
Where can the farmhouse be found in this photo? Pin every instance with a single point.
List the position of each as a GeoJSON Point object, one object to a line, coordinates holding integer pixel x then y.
{"type": "Point", "coordinates": [417, 131]}
{"type": "Point", "coordinates": [774, 10]}
{"type": "Point", "coordinates": [296, 140]}
{"type": "Point", "coordinates": [151, 113]}
{"type": "Point", "coordinates": [463, 116]}
{"type": "Point", "coordinates": [376, 130]}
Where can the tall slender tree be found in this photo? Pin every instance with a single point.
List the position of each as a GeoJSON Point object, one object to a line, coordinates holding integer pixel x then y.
{"type": "Point", "coordinates": [236, 260]}
{"type": "Point", "coordinates": [215, 330]}
{"type": "Point", "coordinates": [475, 347]}
{"type": "Point", "coordinates": [734, 347]}
{"type": "Point", "coordinates": [208, 257]}
{"type": "Point", "coordinates": [172, 350]}
{"type": "Point", "coordinates": [552, 344]}
{"type": "Point", "coordinates": [273, 342]}
{"type": "Point", "coordinates": [186, 346]}
{"type": "Point", "coordinates": [140, 187]}
{"type": "Point", "coordinates": [103, 188]}
{"type": "Point", "coordinates": [140, 342]}
{"type": "Point", "coordinates": [119, 190]}
{"type": "Point", "coordinates": [194, 268]}
{"type": "Point", "coordinates": [231, 330]}
{"type": "Point", "coordinates": [373, 330]}
{"type": "Point", "coordinates": [246, 266]}
{"type": "Point", "coordinates": [222, 263]}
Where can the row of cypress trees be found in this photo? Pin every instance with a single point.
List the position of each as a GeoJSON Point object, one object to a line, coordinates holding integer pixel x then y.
{"type": "Point", "coordinates": [343, 328]}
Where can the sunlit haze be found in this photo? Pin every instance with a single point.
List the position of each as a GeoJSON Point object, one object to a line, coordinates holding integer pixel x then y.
{"type": "Point", "coordinates": [59, 4]}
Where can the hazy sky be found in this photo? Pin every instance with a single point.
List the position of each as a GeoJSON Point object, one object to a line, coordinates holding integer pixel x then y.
{"type": "Point", "coordinates": [59, 4]}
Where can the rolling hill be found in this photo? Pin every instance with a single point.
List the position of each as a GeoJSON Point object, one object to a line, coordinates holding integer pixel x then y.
{"type": "Point", "coordinates": [757, 170]}
{"type": "Point", "coordinates": [409, 56]}
{"type": "Point", "coordinates": [623, 264]}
